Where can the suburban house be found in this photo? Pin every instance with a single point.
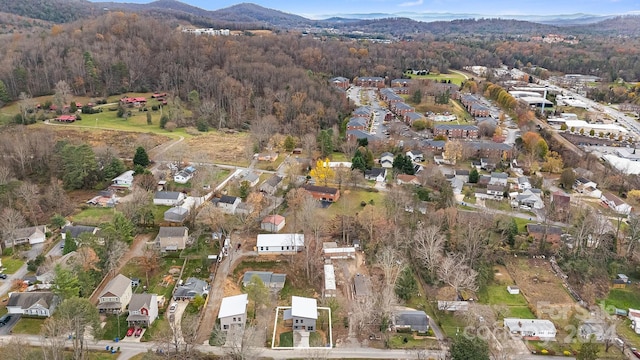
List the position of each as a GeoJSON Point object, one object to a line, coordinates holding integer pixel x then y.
{"type": "Point", "coordinates": [268, 156]}
{"type": "Point", "coordinates": [143, 309]}
{"type": "Point", "coordinates": [269, 279]}
{"type": "Point", "coordinates": [402, 179]}
{"type": "Point", "coordinates": [513, 290]}
{"type": "Point", "coordinates": [227, 203]}
{"type": "Point", "coordinates": [329, 289]}
{"type": "Point", "coordinates": [41, 304]}
{"type": "Point", "coordinates": [411, 319]}
{"type": "Point", "coordinates": [530, 198]}
{"type": "Point", "coordinates": [386, 160]}
{"type": "Point", "coordinates": [279, 244]}
{"type": "Point", "coordinates": [74, 231]}
{"type": "Point", "coordinates": [303, 313]}
{"type": "Point", "coordinates": [124, 180]}
{"type": "Point", "coordinates": [340, 82]}
{"type": "Point", "coordinates": [415, 155]}
{"type": "Point", "coordinates": [456, 131]}
{"type": "Point", "coordinates": [190, 289]}
{"type": "Point", "coordinates": [587, 187]}
{"type": "Point", "coordinates": [634, 316]}
{"type": "Point", "coordinates": [30, 235]}
{"type": "Point", "coordinates": [271, 185]}
{"type": "Point", "coordinates": [116, 295]}
{"type": "Point", "coordinates": [376, 174]}
{"type": "Point", "coordinates": [176, 214]}
{"type": "Point", "coordinates": [323, 193]}
{"type": "Point", "coordinates": [357, 123]}
{"type": "Point", "coordinates": [462, 174]}
{"type": "Point", "coordinates": [233, 312]}
{"type": "Point", "coordinates": [183, 176]}
{"type": "Point", "coordinates": [168, 198]}
{"type": "Point", "coordinates": [251, 177]}
{"type": "Point", "coordinates": [592, 331]}
{"type": "Point", "coordinates": [361, 287]}
{"type": "Point", "coordinates": [616, 204]}
{"type": "Point", "coordinates": [499, 178]}
{"type": "Point", "coordinates": [531, 328]}
{"type": "Point", "coordinates": [552, 234]}
{"type": "Point", "coordinates": [370, 81]}
{"type": "Point", "coordinates": [523, 183]}
{"type": "Point", "coordinates": [172, 238]}
{"type": "Point", "coordinates": [272, 223]}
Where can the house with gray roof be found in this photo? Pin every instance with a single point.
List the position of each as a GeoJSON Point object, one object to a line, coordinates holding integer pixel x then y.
{"type": "Point", "coordinates": [227, 203]}
{"type": "Point", "coordinates": [168, 198]}
{"type": "Point", "coordinates": [340, 82]}
{"type": "Point", "coordinates": [357, 123]}
{"type": "Point", "coordinates": [359, 134]}
{"type": "Point", "coordinates": [456, 131]}
{"type": "Point", "coordinates": [40, 304]}
{"type": "Point", "coordinates": [143, 310]}
{"type": "Point", "coordinates": [251, 177]}
{"type": "Point", "coordinates": [74, 231]}
{"type": "Point", "coordinates": [271, 280]}
{"type": "Point", "coordinates": [362, 111]}
{"type": "Point", "coordinates": [176, 214]}
{"type": "Point", "coordinates": [116, 295]}
{"type": "Point", "coordinates": [499, 178]}
{"type": "Point", "coordinates": [172, 238]}
{"type": "Point", "coordinates": [271, 185]}
{"type": "Point", "coordinates": [190, 289]}
{"type": "Point", "coordinates": [411, 319]}
{"type": "Point", "coordinates": [29, 235]}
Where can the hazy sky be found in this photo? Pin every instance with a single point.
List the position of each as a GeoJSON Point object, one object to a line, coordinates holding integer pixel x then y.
{"type": "Point", "coordinates": [323, 8]}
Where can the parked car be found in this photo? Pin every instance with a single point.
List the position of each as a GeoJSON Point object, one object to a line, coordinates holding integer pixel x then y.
{"type": "Point", "coordinates": [138, 332]}
{"type": "Point", "coordinates": [3, 276]}
{"type": "Point", "coordinates": [130, 331]}
{"type": "Point", "coordinates": [5, 319]}
{"type": "Point", "coordinates": [635, 352]}
{"type": "Point", "coordinates": [173, 307]}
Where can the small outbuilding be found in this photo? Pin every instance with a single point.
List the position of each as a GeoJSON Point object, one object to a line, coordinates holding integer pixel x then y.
{"type": "Point", "coordinates": [273, 223]}
{"type": "Point", "coordinates": [513, 290]}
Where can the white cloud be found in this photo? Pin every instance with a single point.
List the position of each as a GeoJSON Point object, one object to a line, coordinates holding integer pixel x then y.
{"type": "Point", "coordinates": [412, 3]}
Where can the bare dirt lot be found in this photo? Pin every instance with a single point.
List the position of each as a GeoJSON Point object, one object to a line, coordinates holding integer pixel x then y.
{"type": "Point", "coordinates": [538, 282]}
{"type": "Point", "coordinates": [125, 143]}
{"type": "Point", "coordinates": [213, 147]}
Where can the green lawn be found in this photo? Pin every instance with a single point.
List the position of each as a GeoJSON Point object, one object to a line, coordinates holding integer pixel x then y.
{"type": "Point", "coordinates": [132, 270]}
{"type": "Point", "coordinates": [350, 201]}
{"type": "Point", "coordinates": [624, 298]}
{"type": "Point", "coordinates": [454, 77]}
{"type": "Point", "coordinates": [498, 205]}
{"type": "Point", "coordinates": [94, 216]}
{"type": "Point", "coordinates": [522, 224]}
{"type": "Point", "coordinates": [498, 295]}
{"type": "Point", "coordinates": [270, 165]}
{"type": "Point", "coordinates": [111, 327]}
{"type": "Point", "coordinates": [406, 341]}
{"type": "Point", "coordinates": [11, 265]}
{"type": "Point", "coordinates": [338, 156]}
{"type": "Point", "coordinates": [29, 326]}
{"type": "Point", "coordinates": [158, 212]}
{"type": "Point", "coordinates": [521, 312]}
{"type": "Point", "coordinates": [286, 339]}
{"type": "Point", "coordinates": [158, 326]}
{"type": "Point", "coordinates": [203, 246]}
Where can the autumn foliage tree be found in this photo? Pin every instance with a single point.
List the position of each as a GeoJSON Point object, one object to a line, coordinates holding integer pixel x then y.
{"type": "Point", "coordinates": [322, 173]}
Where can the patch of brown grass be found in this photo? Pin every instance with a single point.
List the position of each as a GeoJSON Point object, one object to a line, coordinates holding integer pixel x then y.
{"type": "Point", "coordinates": [219, 147]}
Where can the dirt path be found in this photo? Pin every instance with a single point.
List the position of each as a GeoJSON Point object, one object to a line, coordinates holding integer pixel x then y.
{"type": "Point", "coordinates": [135, 250]}
{"type": "Point", "coordinates": [216, 293]}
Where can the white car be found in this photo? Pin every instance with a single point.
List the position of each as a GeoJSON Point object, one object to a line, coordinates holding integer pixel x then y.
{"type": "Point", "coordinates": [173, 308]}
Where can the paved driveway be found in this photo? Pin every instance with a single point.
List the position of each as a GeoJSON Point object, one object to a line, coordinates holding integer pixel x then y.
{"type": "Point", "coordinates": [6, 329]}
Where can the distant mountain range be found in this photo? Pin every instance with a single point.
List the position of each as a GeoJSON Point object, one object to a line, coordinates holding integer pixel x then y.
{"type": "Point", "coordinates": [246, 14]}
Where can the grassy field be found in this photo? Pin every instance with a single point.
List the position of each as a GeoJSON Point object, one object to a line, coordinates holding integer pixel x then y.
{"type": "Point", "coordinates": [350, 201]}
{"type": "Point", "coordinates": [498, 295]}
{"type": "Point", "coordinates": [29, 326]}
{"type": "Point", "coordinates": [407, 341]}
{"type": "Point", "coordinates": [11, 265]}
{"type": "Point", "coordinates": [93, 216]}
{"type": "Point", "coordinates": [522, 224]}
{"type": "Point", "coordinates": [111, 327]}
{"type": "Point", "coordinates": [455, 78]}
{"type": "Point", "coordinates": [623, 298]}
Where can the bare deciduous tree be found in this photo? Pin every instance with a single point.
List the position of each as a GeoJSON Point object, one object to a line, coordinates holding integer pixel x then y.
{"type": "Point", "coordinates": [428, 246]}
{"type": "Point", "coordinates": [455, 272]}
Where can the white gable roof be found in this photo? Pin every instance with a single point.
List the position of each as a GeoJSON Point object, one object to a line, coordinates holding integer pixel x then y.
{"type": "Point", "coordinates": [233, 305]}
{"type": "Point", "coordinates": [304, 307]}
{"type": "Point", "coordinates": [280, 240]}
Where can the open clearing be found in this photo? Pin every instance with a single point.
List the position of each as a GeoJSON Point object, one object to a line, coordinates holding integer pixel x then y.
{"type": "Point", "coordinates": [455, 77]}
{"type": "Point", "coordinates": [213, 147]}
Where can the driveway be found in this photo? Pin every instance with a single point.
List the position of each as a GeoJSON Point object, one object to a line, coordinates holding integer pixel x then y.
{"type": "Point", "coordinates": [6, 329]}
{"type": "Point", "coordinates": [175, 319]}
{"type": "Point", "coordinates": [5, 285]}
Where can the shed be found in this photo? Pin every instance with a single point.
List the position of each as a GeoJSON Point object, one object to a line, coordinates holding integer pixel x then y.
{"type": "Point", "coordinates": [513, 290]}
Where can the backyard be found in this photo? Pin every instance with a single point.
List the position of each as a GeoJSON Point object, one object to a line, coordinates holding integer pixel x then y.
{"type": "Point", "coordinates": [350, 201]}
{"type": "Point", "coordinates": [28, 326]}
{"type": "Point", "coordinates": [623, 298]}
{"type": "Point", "coordinates": [11, 264]}
{"type": "Point", "coordinates": [93, 216]}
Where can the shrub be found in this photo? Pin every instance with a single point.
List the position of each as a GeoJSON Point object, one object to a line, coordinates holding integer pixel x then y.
{"type": "Point", "coordinates": [202, 126]}
{"type": "Point", "coordinates": [7, 252]}
{"type": "Point", "coordinates": [154, 107]}
{"type": "Point", "coordinates": [170, 126]}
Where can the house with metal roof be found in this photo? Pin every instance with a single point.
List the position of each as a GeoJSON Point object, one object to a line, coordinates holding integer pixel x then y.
{"type": "Point", "coordinates": [176, 214]}
{"type": "Point", "coordinates": [303, 313]}
{"type": "Point", "coordinates": [279, 244]}
{"type": "Point", "coordinates": [233, 312]}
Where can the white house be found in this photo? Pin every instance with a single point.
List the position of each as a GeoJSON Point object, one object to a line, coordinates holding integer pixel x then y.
{"type": "Point", "coordinates": [227, 203]}
{"type": "Point", "coordinates": [415, 155]}
{"type": "Point", "coordinates": [616, 204]}
{"type": "Point", "coordinates": [31, 235]}
{"type": "Point", "coordinates": [183, 176]}
{"type": "Point", "coordinates": [233, 312]}
{"type": "Point", "coordinates": [531, 198]}
{"type": "Point", "coordinates": [386, 160]}
{"type": "Point", "coordinates": [513, 290]}
{"type": "Point", "coordinates": [279, 244]}
{"type": "Point", "coordinates": [251, 177]}
{"type": "Point", "coordinates": [499, 178]}
{"type": "Point", "coordinates": [536, 328]}
{"type": "Point", "coordinates": [273, 223]}
{"type": "Point", "coordinates": [376, 174]}
{"type": "Point", "coordinates": [41, 304]}
{"type": "Point", "coordinates": [587, 187]}
{"type": "Point", "coordinates": [330, 289]}
{"type": "Point", "coordinates": [303, 313]}
{"type": "Point", "coordinates": [143, 309]}
{"type": "Point", "coordinates": [634, 316]}
{"type": "Point", "coordinates": [125, 180]}
{"type": "Point", "coordinates": [168, 198]}
{"type": "Point", "coordinates": [523, 183]}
